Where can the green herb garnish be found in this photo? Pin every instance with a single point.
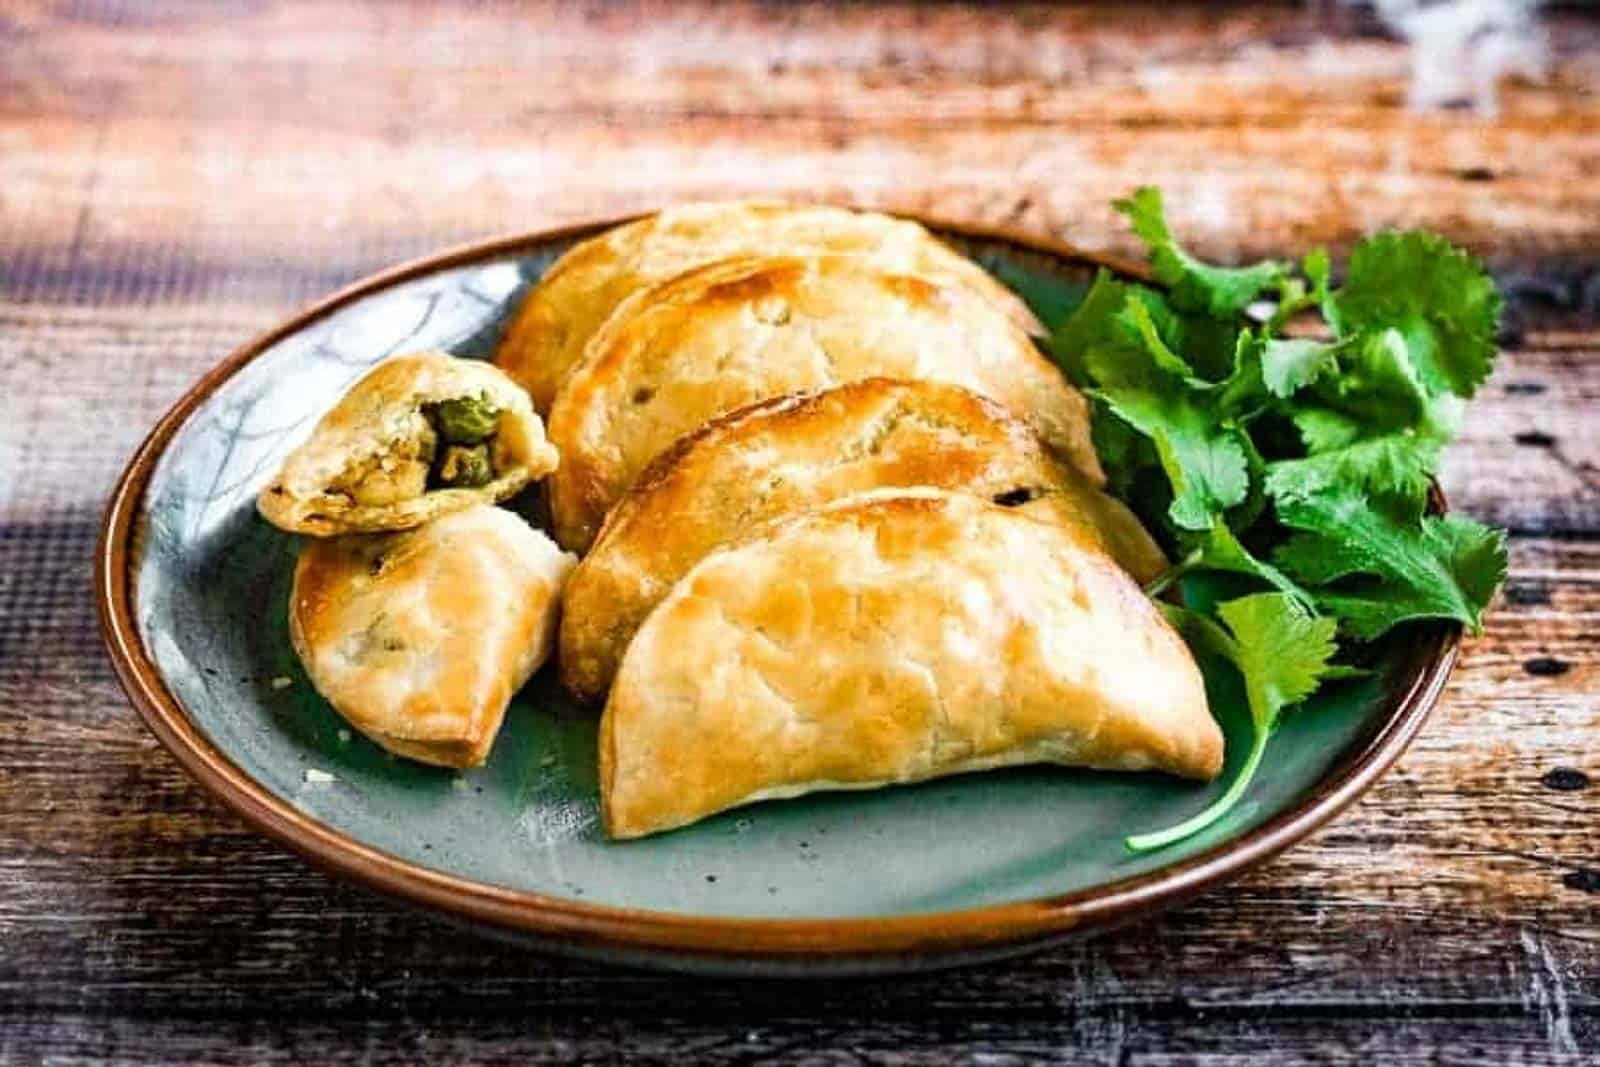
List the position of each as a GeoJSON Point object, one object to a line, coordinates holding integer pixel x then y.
{"type": "Point", "coordinates": [1298, 464]}
{"type": "Point", "coordinates": [1282, 652]}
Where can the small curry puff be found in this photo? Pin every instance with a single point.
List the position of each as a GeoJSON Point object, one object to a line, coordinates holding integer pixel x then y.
{"type": "Point", "coordinates": [421, 638]}
{"type": "Point", "coordinates": [418, 437]}
{"type": "Point", "coordinates": [743, 330]}
{"type": "Point", "coordinates": [893, 637]}
{"type": "Point", "coordinates": [547, 336]}
{"type": "Point", "coordinates": [801, 451]}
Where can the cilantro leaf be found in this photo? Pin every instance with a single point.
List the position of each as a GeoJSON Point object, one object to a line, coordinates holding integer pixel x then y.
{"type": "Point", "coordinates": [1368, 423]}
{"type": "Point", "coordinates": [1243, 394]}
{"type": "Point", "coordinates": [1122, 352]}
{"type": "Point", "coordinates": [1222, 292]}
{"type": "Point", "coordinates": [1137, 318]}
{"type": "Point", "coordinates": [1389, 566]}
{"type": "Point", "coordinates": [1204, 461]}
{"type": "Point", "coordinates": [1396, 465]}
{"type": "Point", "coordinates": [1439, 298]}
{"type": "Point", "coordinates": [1266, 371]}
{"type": "Point", "coordinates": [1102, 343]}
{"type": "Point", "coordinates": [1282, 653]}
{"type": "Point", "coordinates": [1281, 650]}
{"type": "Point", "coordinates": [1289, 365]}
{"type": "Point", "coordinates": [1294, 297]}
{"type": "Point", "coordinates": [1221, 550]}
{"type": "Point", "coordinates": [1323, 429]}
{"type": "Point", "coordinates": [1123, 451]}
{"type": "Point", "coordinates": [1377, 383]}
{"type": "Point", "coordinates": [1317, 268]}
{"type": "Point", "coordinates": [1244, 514]}
{"type": "Point", "coordinates": [1093, 324]}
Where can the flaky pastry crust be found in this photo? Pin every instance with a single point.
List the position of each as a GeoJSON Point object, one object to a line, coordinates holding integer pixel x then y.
{"type": "Point", "coordinates": [893, 637]}
{"type": "Point", "coordinates": [420, 639]}
{"type": "Point", "coordinates": [740, 331]}
{"type": "Point", "coordinates": [546, 337]}
{"type": "Point", "coordinates": [799, 452]}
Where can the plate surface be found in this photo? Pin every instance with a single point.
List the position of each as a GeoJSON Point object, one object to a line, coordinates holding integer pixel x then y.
{"type": "Point", "coordinates": [193, 588]}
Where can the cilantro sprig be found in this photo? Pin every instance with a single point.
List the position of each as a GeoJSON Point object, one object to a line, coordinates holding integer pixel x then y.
{"type": "Point", "coordinates": [1298, 464]}
{"type": "Point", "coordinates": [1282, 652]}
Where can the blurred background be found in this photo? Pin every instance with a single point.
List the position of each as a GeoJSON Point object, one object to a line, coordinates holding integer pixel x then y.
{"type": "Point", "coordinates": [279, 148]}
{"type": "Point", "coordinates": [177, 176]}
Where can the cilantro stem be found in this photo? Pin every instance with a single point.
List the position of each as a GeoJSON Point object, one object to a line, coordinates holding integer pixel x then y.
{"type": "Point", "coordinates": [1286, 310]}
{"type": "Point", "coordinates": [1162, 581]}
{"type": "Point", "coordinates": [1217, 809]}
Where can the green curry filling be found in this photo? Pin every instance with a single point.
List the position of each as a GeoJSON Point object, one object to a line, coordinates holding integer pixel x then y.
{"type": "Point", "coordinates": [465, 425]}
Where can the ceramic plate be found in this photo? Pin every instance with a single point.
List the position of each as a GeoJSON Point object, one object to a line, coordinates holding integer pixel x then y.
{"type": "Point", "coordinates": [193, 588]}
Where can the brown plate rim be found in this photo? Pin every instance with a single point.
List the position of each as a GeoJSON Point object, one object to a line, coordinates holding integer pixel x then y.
{"type": "Point", "coordinates": [641, 934]}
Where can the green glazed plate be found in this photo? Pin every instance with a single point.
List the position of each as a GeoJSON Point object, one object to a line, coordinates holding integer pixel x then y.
{"type": "Point", "coordinates": [193, 588]}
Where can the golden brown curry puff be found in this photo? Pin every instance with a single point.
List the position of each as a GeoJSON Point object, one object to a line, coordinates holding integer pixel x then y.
{"type": "Point", "coordinates": [546, 338]}
{"type": "Point", "coordinates": [740, 331]}
{"type": "Point", "coordinates": [421, 638]}
{"type": "Point", "coordinates": [419, 436]}
{"type": "Point", "coordinates": [893, 637]}
{"type": "Point", "coordinates": [798, 452]}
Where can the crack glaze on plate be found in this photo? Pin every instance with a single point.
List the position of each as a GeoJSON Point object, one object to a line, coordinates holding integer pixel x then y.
{"type": "Point", "coordinates": [211, 584]}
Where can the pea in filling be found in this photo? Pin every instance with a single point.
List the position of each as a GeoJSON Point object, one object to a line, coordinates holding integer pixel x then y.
{"type": "Point", "coordinates": [465, 426]}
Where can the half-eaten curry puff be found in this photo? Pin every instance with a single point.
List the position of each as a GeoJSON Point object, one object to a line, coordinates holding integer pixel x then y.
{"type": "Point", "coordinates": [418, 437]}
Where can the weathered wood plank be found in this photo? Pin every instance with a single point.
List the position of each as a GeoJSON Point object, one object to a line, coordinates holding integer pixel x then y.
{"type": "Point", "coordinates": [1121, 1037]}
{"type": "Point", "coordinates": [138, 140]}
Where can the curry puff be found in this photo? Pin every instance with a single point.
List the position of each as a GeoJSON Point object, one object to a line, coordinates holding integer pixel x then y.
{"type": "Point", "coordinates": [421, 638]}
{"type": "Point", "coordinates": [418, 437]}
{"type": "Point", "coordinates": [547, 336]}
{"type": "Point", "coordinates": [743, 330]}
{"type": "Point", "coordinates": [801, 451]}
{"type": "Point", "coordinates": [893, 637]}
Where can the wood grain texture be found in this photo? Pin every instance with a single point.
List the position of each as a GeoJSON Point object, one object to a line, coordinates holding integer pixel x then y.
{"type": "Point", "coordinates": [175, 177]}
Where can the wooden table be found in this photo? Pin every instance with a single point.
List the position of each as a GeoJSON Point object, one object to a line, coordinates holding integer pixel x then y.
{"type": "Point", "coordinates": [175, 177]}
